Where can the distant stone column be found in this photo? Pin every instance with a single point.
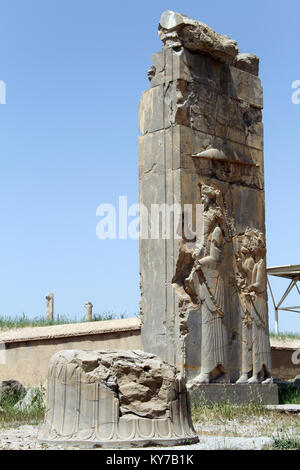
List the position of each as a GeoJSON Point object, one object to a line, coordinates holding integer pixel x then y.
{"type": "Point", "coordinates": [88, 311]}
{"type": "Point", "coordinates": [50, 306]}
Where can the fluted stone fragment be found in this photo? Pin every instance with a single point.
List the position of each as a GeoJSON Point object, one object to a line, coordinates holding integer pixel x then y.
{"type": "Point", "coordinates": [115, 399]}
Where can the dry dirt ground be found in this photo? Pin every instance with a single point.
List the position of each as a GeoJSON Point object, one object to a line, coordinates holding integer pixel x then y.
{"type": "Point", "coordinates": [269, 425]}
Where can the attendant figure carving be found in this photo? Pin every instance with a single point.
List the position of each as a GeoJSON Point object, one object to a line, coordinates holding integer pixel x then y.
{"type": "Point", "coordinates": [206, 285]}
{"type": "Point", "coordinates": [256, 352]}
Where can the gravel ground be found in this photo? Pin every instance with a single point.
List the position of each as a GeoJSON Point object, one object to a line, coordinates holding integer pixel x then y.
{"type": "Point", "coordinates": [20, 438]}
{"type": "Point", "coordinates": [227, 443]}
{"type": "Point", "coordinates": [269, 426]}
{"type": "Point", "coordinates": [255, 433]}
{"type": "Point", "coordinates": [25, 438]}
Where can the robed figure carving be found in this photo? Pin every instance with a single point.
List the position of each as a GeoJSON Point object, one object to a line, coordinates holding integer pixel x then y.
{"type": "Point", "coordinates": [256, 352]}
{"type": "Point", "coordinates": [206, 285]}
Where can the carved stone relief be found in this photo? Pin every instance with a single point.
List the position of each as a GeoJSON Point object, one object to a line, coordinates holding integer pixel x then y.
{"type": "Point", "coordinates": [202, 144]}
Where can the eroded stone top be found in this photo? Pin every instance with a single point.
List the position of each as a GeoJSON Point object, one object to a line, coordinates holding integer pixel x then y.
{"type": "Point", "coordinates": [176, 30]}
{"type": "Point", "coordinates": [144, 384]}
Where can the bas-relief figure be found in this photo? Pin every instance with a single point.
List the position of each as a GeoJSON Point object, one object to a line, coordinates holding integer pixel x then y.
{"type": "Point", "coordinates": [206, 287]}
{"type": "Point", "coordinates": [206, 283]}
{"type": "Point", "coordinates": [251, 278]}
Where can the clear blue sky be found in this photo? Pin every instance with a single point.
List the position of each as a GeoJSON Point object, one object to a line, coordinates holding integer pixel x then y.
{"type": "Point", "coordinates": [75, 71]}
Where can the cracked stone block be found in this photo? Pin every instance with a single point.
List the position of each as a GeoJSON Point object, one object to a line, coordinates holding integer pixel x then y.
{"type": "Point", "coordinates": [115, 399]}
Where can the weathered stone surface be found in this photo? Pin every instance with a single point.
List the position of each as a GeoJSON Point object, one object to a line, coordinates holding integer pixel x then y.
{"type": "Point", "coordinates": [246, 87]}
{"type": "Point", "coordinates": [151, 117]}
{"type": "Point", "coordinates": [288, 408]}
{"type": "Point", "coordinates": [50, 306]}
{"type": "Point", "coordinates": [247, 62]}
{"type": "Point", "coordinates": [176, 30]}
{"type": "Point", "coordinates": [203, 298]}
{"type": "Point", "coordinates": [88, 311]}
{"type": "Point", "coordinates": [214, 98]}
{"type": "Point", "coordinates": [235, 394]}
{"type": "Point", "coordinates": [179, 31]}
{"type": "Point", "coordinates": [115, 399]}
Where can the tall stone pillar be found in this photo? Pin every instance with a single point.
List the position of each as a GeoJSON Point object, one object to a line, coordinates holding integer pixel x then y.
{"type": "Point", "coordinates": [50, 306]}
{"type": "Point", "coordinates": [88, 311]}
{"type": "Point", "coordinates": [203, 295]}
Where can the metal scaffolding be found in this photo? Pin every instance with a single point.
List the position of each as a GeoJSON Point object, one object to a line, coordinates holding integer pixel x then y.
{"type": "Point", "coordinates": [291, 272]}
